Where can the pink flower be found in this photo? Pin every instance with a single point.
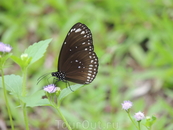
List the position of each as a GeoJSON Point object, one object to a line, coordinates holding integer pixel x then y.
{"type": "Point", "coordinates": [127, 105]}
{"type": "Point", "coordinates": [5, 47]}
{"type": "Point", "coordinates": [139, 116]}
{"type": "Point", "coordinates": [51, 88]}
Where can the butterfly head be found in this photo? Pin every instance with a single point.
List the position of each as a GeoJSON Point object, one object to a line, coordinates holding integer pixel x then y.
{"type": "Point", "coordinates": [60, 75]}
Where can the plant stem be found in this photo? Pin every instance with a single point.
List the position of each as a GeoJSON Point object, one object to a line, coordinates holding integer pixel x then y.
{"type": "Point", "coordinates": [132, 119]}
{"type": "Point", "coordinates": [24, 82]}
{"type": "Point", "coordinates": [67, 124]}
{"type": "Point", "coordinates": [139, 125]}
{"type": "Point", "coordinates": [23, 95]}
{"type": "Point", "coordinates": [25, 116]}
{"type": "Point", "coordinates": [6, 100]}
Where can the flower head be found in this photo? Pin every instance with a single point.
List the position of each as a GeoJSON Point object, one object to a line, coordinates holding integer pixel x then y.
{"type": "Point", "coordinates": [5, 47]}
{"type": "Point", "coordinates": [139, 116]}
{"type": "Point", "coordinates": [51, 88]}
{"type": "Point", "coordinates": [24, 56]}
{"type": "Point", "coordinates": [126, 105]}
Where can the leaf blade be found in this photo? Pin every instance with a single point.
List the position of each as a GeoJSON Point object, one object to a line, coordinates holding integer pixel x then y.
{"type": "Point", "coordinates": [65, 92]}
{"type": "Point", "coordinates": [13, 84]}
{"type": "Point", "coordinates": [37, 50]}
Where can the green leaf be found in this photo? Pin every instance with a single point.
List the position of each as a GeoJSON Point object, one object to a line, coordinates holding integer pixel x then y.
{"type": "Point", "coordinates": [37, 50]}
{"type": "Point", "coordinates": [68, 91]}
{"type": "Point", "coordinates": [6, 56]}
{"type": "Point", "coordinates": [13, 84]}
{"type": "Point", "coordinates": [3, 59]}
{"type": "Point", "coordinates": [150, 121]}
{"type": "Point", "coordinates": [36, 99]}
{"type": "Point", "coordinates": [17, 60]}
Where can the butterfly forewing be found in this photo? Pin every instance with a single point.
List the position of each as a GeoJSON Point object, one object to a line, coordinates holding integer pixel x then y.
{"type": "Point", "coordinates": [77, 59]}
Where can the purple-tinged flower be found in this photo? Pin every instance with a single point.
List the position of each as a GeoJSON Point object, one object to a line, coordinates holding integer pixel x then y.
{"type": "Point", "coordinates": [139, 116]}
{"type": "Point", "coordinates": [5, 47]}
{"type": "Point", "coordinates": [51, 88]}
{"type": "Point", "coordinates": [127, 105]}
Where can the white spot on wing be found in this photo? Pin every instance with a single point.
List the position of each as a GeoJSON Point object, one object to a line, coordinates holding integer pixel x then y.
{"type": "Point", "coordinates": [90, 65]}
{"type": "Point", "coordinates": [83, 32]}
{"type": "Point", "coordinates": [88, 77]}
{"type": "Point", "coordinates": [89, 74]}
{"type": "Point", "coordinates": [78, 30]}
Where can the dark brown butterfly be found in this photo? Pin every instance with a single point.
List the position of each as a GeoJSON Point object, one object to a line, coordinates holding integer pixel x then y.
{"type": "Point", "coordinates": [78, 62]}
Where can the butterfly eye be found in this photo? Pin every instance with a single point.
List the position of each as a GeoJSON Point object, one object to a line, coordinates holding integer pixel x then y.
{"type": "Point", "coordinates": [78, 62]}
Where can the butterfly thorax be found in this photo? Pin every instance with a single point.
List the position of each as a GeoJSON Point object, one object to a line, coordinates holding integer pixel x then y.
{"type": "Point", "coordinates": [60, 75]}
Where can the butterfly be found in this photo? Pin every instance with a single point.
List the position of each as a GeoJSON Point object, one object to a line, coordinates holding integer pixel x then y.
{"type": "Point", "coordinates": [77, 62]}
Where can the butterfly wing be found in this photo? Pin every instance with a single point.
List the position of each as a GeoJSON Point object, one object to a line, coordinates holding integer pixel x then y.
{"type": "Point", "coordinates": [77, 58]}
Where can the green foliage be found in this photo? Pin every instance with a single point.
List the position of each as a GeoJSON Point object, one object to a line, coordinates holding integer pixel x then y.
{"type": "Point", "coordinates": [66, 91]}
{"type": "Point", "coordinates": [3, 60]}
{"type": "Point", "coordinates": [36, 99]}
{"type": "Point", "coordinates": [150, 121]}
{"type": "Point", "coordinates": [133, 40]}
{"type": "Point", "coordinates": [37, 50]}
{"type": "Point", "coordinates": [13, 84]}
{"type": "Point", "coordinates": [32, 54]}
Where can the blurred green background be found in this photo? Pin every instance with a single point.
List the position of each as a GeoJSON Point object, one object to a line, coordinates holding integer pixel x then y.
{"type": "Point", "coordinates": [134, 42]}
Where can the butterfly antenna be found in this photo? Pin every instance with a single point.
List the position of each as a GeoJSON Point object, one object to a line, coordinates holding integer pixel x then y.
{"type": "Point", "coordinates": [48, 79]}
{"type": "Point", "coordinates": [42, 77]}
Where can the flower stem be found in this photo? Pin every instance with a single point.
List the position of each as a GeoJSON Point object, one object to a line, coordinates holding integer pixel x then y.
{"type": "Point", "coordinates": [132, 119]}
{"type": "Point", "coordinates": [139, 127]}
{"type": "Point", "coordinates": [24, 82]}
{"type": "Point", "coordinates": [24, 94]}
{"type": "Point", "coordinates": [25, 116]}
{"type": "Point", "coordinates": [67, 124]}
{"type": "Point", "coordinates": [6, 100]}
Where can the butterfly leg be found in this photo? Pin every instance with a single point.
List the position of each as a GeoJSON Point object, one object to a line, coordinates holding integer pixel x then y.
{"type": "Point", "coordinates": [55, 80]}
{"type": "Point", "coordinates": [68, 85]}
